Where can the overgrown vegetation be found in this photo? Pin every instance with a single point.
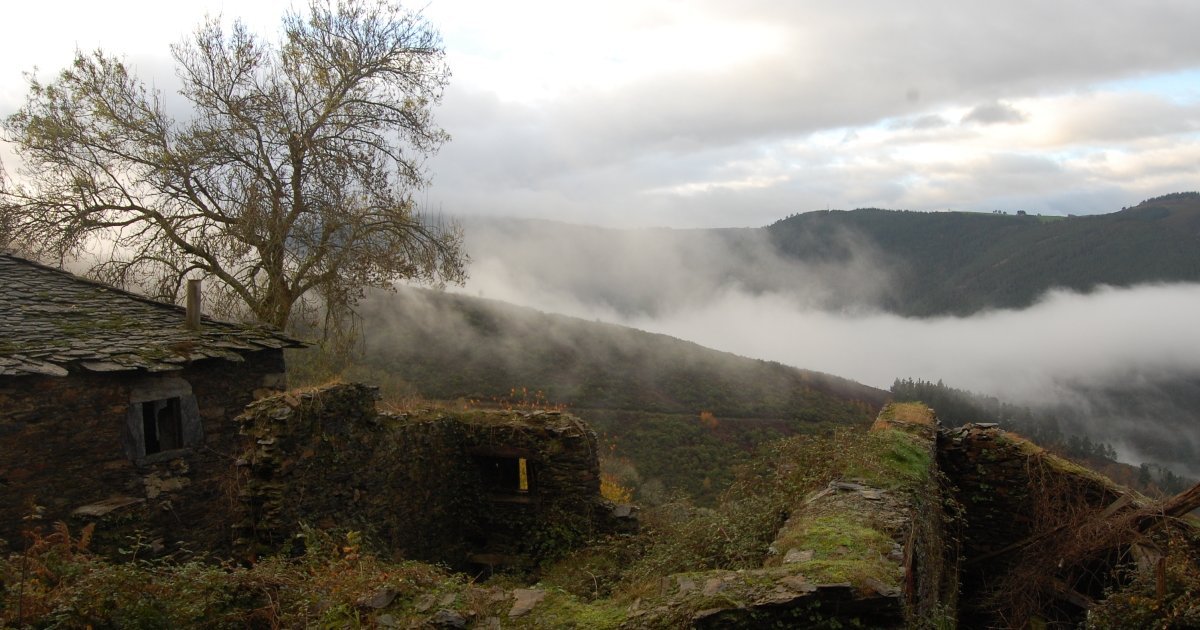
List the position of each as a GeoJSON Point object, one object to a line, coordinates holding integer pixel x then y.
{"type": "Point", "coordinates": [57, 582]}
{"type": "Point", "coordinates": [1168, 597]}
{"type": "Point", "coordinates": [679, 537]}
{"type": "Point", "coordinates": [338, 581]}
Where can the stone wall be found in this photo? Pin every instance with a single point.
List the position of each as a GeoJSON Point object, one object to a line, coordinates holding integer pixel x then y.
{"type": "Point", "coordinates": [65, 447]}
{"type": "Point", "coordinates": [894, 564]}
{"type": "Point", "coordinates": [426, 485]}
{"type": "Point", "coordinates": [1011, 492]}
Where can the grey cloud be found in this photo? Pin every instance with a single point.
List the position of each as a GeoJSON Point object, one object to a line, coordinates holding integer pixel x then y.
{"type": "Point", "coordinates": [845, 68]}
{"type": "Point", "coordinates": [592, 154]}
{"type": "Point", "coordinates": [920, 123]}
{"type": "Point", "coordinates": [630, 274]}
{"type": "Point", "coordinates": [995, 113]}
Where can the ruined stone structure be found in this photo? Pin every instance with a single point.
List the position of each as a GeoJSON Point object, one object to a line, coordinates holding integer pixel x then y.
{"type": "Point", "coordinates": [1024, 513]}
{"type": "Point", "coordinates": [999, 533]}
{"type": "Point", "coordinates": [902, 573]}
{"type": "Point", "coordinates": [112, 410]}
{"type": "Point", "coordinates": [473, 489]}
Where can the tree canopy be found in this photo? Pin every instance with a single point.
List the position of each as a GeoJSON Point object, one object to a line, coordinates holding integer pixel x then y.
{"type": "Point", "coordinates": [290, 179]}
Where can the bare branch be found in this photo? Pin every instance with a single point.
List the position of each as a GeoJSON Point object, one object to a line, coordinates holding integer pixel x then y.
{"type": "Point", "coordinates": [292, 174]}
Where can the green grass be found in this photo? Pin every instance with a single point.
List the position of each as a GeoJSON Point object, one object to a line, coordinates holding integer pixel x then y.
{"type": "Point", "coordinates": [894, 459]}
{"type": "Point", "coordinates": [846, 546]}
{"type": "Point", "coordinates": [563, 610]}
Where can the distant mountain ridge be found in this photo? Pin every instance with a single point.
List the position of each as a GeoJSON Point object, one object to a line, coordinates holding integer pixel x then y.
{"type": "Point", "coordinates": [915, 264]}
{"type": "Point", "coordinates": [963, 262]}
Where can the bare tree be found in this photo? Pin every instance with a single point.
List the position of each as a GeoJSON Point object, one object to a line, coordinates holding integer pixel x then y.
{"type": "Point", "coordinates": [292, 177]}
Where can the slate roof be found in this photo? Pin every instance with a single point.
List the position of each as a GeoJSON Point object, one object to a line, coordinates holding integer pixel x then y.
{"type": "Point", "coordinates": [56, 323]}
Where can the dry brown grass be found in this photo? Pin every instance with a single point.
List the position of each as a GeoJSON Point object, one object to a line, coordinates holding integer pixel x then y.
{"type": "Point", "coordinates": [904, 413]}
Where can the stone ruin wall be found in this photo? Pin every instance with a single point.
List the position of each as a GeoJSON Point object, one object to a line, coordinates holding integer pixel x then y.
{"type": "Point", "coordinates": [62, 442]}
{"type": "Point", "coordinates": [1009, 490]}
{"type": "Point", "coordinates": [415, 484]}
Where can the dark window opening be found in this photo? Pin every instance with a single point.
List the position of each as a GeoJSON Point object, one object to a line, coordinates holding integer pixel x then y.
{"type": "Point", "coordinates": [162, 425]}
{"type": "Point", "coordinates": [163, 420]}
{"type": "Point", "coordinates": [507, 474]}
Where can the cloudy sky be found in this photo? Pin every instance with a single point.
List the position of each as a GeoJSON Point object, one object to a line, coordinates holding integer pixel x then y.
{"type": "Point", "coordinates": [698, 114]}
{"type": "Point", "coordinates": [689, 114]}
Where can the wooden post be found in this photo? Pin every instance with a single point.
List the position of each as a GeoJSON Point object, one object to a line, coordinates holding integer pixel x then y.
{"type": "Point", "coordinates": [193, 305]}
{"type": "Point", "coordinates": [1160, 579]}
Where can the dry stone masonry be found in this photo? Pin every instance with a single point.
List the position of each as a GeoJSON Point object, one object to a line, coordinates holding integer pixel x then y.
{"type": "Point", "coordinates": [473, 489]}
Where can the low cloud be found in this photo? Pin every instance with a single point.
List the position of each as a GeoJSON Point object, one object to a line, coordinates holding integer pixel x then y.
{"type": "Point", "coordinates": [635, 275]}
{"type": "Point", "coordinates": [920, 123]}
{"type": "Point", "coordinates": [995, 113]}
{"type": "Point", "coordinates": [1107, 354]}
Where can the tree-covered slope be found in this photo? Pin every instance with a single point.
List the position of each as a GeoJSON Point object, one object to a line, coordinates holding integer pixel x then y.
{"type": "Point", "coordinates": [963, 262]}
{"type": "Point", "coordinates": [448, 346]}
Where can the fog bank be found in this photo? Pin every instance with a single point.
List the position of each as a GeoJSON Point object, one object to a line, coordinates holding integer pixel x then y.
{"type": "Point", "coordinates": [731, 293]}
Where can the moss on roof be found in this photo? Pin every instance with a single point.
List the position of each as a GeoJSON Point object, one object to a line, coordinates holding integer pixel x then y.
{"type": "Point", "coordinates": [56, 323]}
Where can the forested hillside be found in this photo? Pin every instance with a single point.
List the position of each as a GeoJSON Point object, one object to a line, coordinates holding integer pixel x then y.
{"type": "Point", "coordinates": [447, 346]}
{"type": "Point", "coordinates": [962, 262]}
{"type": "Point", "coordinates": [910, 263]}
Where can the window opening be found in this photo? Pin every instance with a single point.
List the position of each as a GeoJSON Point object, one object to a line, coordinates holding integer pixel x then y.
{"type": "Point", "coordinates": [163, 419]}
{"type": "Point", "coordinates": [162, 425]}
{"type": "Point", "coordinates": [507, 474]}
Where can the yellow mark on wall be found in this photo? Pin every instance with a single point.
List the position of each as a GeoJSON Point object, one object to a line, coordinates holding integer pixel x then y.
{"type": "Point", "coordinates": [523, 467]}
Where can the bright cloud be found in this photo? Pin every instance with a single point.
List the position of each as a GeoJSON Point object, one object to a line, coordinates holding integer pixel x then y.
{"type": "Point", "coordinates": [657, 112]}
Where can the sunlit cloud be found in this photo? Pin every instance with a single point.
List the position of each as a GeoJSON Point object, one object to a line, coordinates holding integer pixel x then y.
{"type": "Point", "coordinates": [733, 116]}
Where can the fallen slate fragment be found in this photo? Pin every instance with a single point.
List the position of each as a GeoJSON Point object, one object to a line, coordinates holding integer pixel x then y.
{"type": "Point", "coordinates": [881, 588]}
{"type": "Point", "coordinates": [446, 618]}
{"type": "Point", "coordinates": [379, 599]}
{"type": "Point", "coordinates": [103, 366]}
{"type": "Point", "coordinates": [686, 585]}
{"type": "Point", "coordinates": [104, 507]}
{"type": "Point", "coordinates": [701, 615]}
{"type": "Point", "coordinates": [778, 596]}
{"type": "Point", "coordinates": [526, 599]}
{"type": "Point", "coordinates": [424, 602]}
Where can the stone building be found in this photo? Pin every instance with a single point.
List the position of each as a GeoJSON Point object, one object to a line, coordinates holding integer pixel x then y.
{"type": "Point", "coordinates": [111, 408]}
{"type": "Point", "coordinates": [474, 489]}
